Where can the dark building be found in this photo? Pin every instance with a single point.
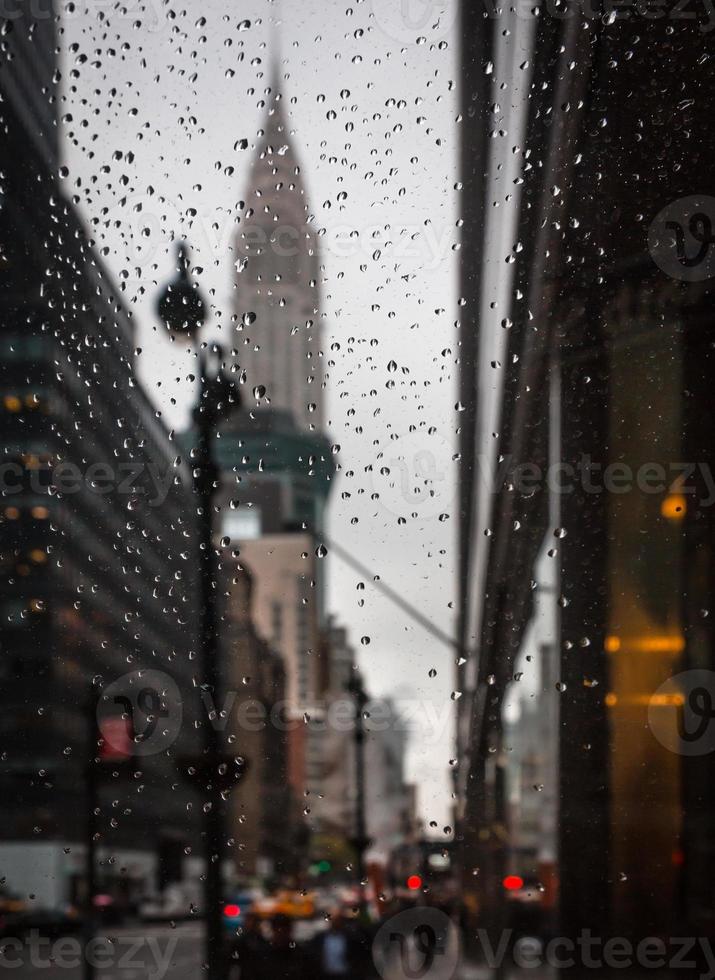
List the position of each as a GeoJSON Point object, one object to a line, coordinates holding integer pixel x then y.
{"type": "Point", "coordinates": [96, 541]}
{"type": "Point", "coordinates": [604, 385]}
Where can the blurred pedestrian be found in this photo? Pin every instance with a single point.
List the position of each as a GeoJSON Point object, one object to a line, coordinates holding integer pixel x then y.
{"type": "Point", "coordinates": [285, 959]}
{"type": "Point", "coordinates": [249, 951]}
{"type": "Point", "coordinates": [338, 953]}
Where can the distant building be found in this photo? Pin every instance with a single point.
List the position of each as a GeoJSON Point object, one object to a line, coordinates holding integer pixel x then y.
{"type": "Point", "coordinates": [265, 822]}
{"type": "Point", "coordinates": [338, 663]}
{"type": "Point", "coordinates": [283, 570]}
{"type": "Point", "coordinates": [277, 465]}
{"type": "Point", "coordinates": [275, 482]}
{"type": "Point", "coordinates": [389, 798]}
{"type": "Point", "coordinates": [276, 477]}
{"type": "Point", "coordinates": [531, 763]}
{"type": "Point", "coordinates": [285, 607]}
{"type": "Point", "coordinates": [331, 743]}
{"type": "Point", "coordinates": [277, 284]}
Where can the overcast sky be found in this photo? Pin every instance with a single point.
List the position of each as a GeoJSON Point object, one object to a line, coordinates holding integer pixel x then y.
{"type": "Point", "coordinates": [370, 94]}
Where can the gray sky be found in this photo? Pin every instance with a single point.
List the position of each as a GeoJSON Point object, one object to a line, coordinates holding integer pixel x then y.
{"type": "Point", "coordinates": [371, 99]}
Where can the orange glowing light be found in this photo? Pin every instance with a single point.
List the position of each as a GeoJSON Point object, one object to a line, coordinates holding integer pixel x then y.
{"type": "Point", "coordinates": [665, 643]}
{"type": "Point", "coordinates": [673, 507]}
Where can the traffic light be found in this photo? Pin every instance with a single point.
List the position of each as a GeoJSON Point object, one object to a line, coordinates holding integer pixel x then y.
{"type": "Point", "coordinates": [414, 882]}
{"type": "Point", "coordinates": [116, 739]}
{"type": "Point", "coordinates": [321, 867]}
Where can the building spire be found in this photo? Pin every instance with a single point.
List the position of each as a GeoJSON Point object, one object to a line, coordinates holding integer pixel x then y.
{"type": "Point", "coordinates": [275, 81]}
{"type": "Point", "coordinates": [274, 49]}
{"type": "Point", "coordinates": [280, 287]}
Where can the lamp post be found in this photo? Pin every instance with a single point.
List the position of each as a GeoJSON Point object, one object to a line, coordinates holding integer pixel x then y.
{"type": "Point", "coordinates": [182, 310]}
{"type": "Point", "coordinates": [360, 841]}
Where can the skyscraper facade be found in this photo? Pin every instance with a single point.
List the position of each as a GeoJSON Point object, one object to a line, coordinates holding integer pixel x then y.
{"type": "Point", "coordinates": [98, 583]}
{"type": "Point", "coordinates": [277, 299]}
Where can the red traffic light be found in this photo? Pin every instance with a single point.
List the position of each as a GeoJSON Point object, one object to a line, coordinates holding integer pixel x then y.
{"type": "Point", "coordinates": [414, 882]}
{"type": "Point", "coordinates": [117, 739]}
{"type": "Point", "coordinates": [231, 911]}
{"type": "Point", "coordinates": [513, 882]}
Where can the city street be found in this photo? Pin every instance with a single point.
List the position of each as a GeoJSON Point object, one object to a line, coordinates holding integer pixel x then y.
{"type": "Point", "coordinates": [151, 953]}
{"type": "Point", "coordinates": [130, 953]}
{"type": "Point", "coordinates": [157, 951]}
{"type": "Point", "coordinates": [147, 952]}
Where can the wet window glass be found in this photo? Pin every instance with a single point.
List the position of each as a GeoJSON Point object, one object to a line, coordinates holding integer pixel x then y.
{"type": "Point", "coordinates": [356, 489]}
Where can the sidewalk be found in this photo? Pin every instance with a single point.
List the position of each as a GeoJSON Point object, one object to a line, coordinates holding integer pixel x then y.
{"type": "Point", "coordinates": [474, 971]}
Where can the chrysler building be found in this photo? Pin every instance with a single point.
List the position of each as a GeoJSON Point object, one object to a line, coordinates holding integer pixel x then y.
{"type": "Point", "coordinates": [277, 298]}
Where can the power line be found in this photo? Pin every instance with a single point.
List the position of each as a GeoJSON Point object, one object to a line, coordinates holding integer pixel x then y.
{"type": "Point", "coordinates": [393, 596]}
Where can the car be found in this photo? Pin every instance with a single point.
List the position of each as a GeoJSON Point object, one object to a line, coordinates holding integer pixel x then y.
{"type": "Point", "coordinates": [295, 905]}
{"type": "Point", "coordinates": [51, 923]}
{"type": "Point", "coordinates": [11, 906]}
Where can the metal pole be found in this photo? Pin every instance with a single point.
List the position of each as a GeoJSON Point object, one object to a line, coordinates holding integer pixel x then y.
{"type": "Point", "coordinates": [361, 840]}
{"type": "Point", "coordinates": [360, 780]}
{"type": "Point", "coordinates": [205, 475]}
{"type": "Point", "coordinates": [182, 309]}
{"type": "Point", "coordinates": [88, 971]}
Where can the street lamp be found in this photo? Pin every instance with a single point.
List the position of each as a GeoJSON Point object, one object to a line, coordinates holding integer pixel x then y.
{"type": "Point", "coordinates": [360, 840]}
{"type": "Point", "coordinates": [182, 310]}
